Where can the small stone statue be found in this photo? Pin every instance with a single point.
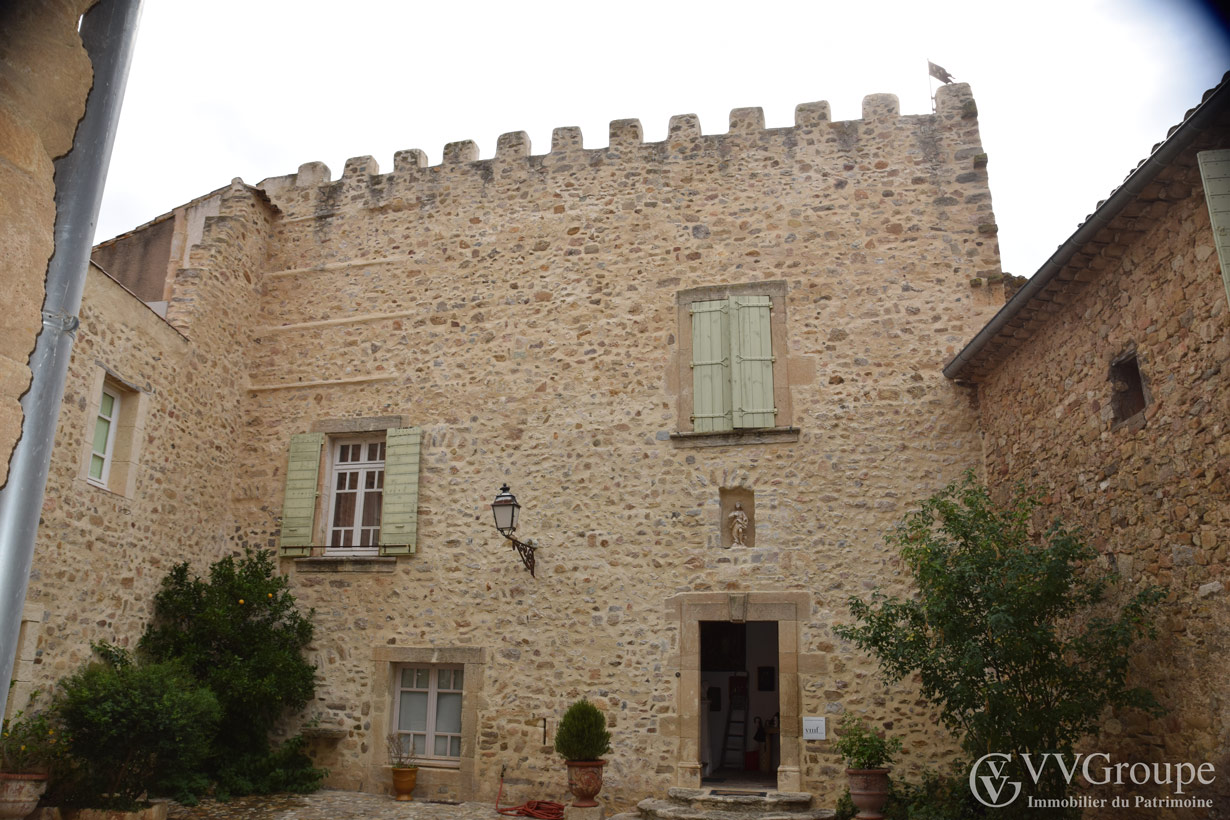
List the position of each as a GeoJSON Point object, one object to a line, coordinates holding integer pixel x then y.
{"type": "Point", "coordinates": [738, 526]}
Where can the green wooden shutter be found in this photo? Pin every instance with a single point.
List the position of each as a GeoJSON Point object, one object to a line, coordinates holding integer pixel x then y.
{"type": "Point", "coordinates": [751, 369]}
{"type": "Point", "coordinates": [710, 366]}
{"type": "Point", "coordinates": [1215, 174]}
{"type": "Point", "coordinates": [299, 505]}
{"type": "Point", "coordinates": [399, 521]}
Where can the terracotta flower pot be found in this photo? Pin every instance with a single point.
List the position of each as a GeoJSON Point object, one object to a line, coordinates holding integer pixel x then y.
{"type": "Point", "coordinates": [868, 791]}
{"type": "Point", "coordinates": [19, 793]}
{"type": "Point", "coordinates": [585, 781]}
{"type": "Point", "coordinates": [403, 783]}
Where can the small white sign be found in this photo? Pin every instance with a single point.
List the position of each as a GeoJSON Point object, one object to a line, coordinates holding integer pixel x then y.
{"type": "Point", "coordinates": [814, 729]}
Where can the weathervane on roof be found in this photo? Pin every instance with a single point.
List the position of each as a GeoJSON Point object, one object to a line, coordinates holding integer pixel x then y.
{"type": "Point", "coordinates": [939, 73]}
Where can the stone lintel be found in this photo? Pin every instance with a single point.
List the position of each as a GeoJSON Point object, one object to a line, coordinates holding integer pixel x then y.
{"type": "Point", "coordinates": [365, 424]}
{"type": "Point", "coordinates": [430, 654]}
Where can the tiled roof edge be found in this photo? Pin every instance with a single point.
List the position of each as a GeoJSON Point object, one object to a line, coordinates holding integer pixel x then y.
{"type": "Point", "coordinates": [1179, 137]}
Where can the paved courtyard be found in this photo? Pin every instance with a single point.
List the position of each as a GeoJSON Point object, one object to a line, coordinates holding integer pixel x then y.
{"type": "Point", "coordinates": [330, 805]}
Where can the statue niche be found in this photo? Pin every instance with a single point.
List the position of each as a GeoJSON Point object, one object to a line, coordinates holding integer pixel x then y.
{"type": "Point", "coordinates": [738, 518]}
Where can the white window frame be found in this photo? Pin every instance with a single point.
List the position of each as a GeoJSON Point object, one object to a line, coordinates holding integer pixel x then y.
{"type": "Point", "coordinates": [107, 455]}
{"type": "Point", "coordinates": [433, 690]}
{"type": "Point", "coordinates": [362, 469]}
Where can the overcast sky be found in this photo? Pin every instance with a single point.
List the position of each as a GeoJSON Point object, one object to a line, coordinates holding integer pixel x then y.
{"type": "Point", "coordinates": [1071, 93]}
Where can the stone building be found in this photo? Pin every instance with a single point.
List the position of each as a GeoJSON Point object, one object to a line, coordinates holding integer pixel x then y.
{"type": "Point", "coordinates": [1103, 383]}
{"type": "Point", "coordinates": [651, 343]}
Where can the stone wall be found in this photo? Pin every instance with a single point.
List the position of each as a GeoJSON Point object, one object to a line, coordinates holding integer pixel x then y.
{"type": "Point", "coordinates": [523, 312]}
{"type": "Point", "coordinates": [102, 551]}
{"type": "Point", "coordinates": [1150, 491]}
{"type": "Point", "coordinates": [44, 78]}
{"type": "Point", "coordinates": [146, 259]}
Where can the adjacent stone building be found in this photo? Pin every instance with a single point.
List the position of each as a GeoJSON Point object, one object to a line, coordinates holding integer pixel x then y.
{"type": "Point", "coordinates": [710, 369]}
{"type": "Point", "coordinates": [1104, 384]}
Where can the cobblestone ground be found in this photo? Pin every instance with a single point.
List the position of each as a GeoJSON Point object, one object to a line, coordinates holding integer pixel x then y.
{"type": "Point", "coordinates": [330, 805]}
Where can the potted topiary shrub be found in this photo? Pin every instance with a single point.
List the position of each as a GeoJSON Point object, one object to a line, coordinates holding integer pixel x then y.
{"type": "Point", "coordinates": [867, 756]}
{"type": "Point", "coordinates": [582, 739]}
{"type": "Point", "coordinates": [27, 746]}
{"type": "Point", "coordinates": [402, 762]}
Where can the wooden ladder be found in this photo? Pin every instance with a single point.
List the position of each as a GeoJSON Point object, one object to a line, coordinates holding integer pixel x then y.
{"type": "Point", "coordinates": [734, 738]}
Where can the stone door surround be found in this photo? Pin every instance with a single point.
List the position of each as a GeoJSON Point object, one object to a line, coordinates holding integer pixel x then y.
{"type": "Point", "coordinates": [788, 609]}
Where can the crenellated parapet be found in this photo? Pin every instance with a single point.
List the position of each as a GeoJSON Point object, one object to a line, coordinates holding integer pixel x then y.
{"type": "Point", "coordinates": [814, 136]}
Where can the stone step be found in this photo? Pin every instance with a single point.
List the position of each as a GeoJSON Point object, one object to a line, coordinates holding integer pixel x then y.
{"type": "Point", "coordinates": [711, 798]}
{"type": "Point", "coordinates": [676, 809]}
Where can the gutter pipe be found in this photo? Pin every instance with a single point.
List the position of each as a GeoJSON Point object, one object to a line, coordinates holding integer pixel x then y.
{"type": "Point", "coordinates": [1203, 116]}
{"type": "Point", "coordinates": [108, 32]}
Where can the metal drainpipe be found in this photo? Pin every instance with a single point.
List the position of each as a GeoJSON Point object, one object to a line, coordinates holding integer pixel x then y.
{"type": "Point", "coordinates": [108, 31]}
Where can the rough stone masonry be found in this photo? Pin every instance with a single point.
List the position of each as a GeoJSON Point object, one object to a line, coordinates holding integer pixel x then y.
{"type": "Point", "coordinates": [530, 314]}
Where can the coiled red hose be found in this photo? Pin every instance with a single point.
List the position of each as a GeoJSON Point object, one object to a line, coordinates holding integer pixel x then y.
{"type": "Point", "coordinates": [538, 809]}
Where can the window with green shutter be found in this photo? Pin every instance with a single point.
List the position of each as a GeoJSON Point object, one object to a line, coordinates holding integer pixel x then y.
{"type": "Point", "coordinates": [732, 363]}
{"type": "Point", "coordinates": [399, 526]}
{"type": "Point", "coordinates": [299, 503]}
{"type": "Point", "coordinates": [1215, 175]}
{"type": "Point", "coordinates": [711, 400]}
{"type": "Point", "coordinates": [370, 502]}
{"type": "Point", "coordinates": [751, 369]}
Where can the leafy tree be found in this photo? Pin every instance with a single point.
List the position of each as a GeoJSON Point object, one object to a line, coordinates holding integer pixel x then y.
{"type": "Point", "coordinates": [132, 727]}
{"type": "Point", "coordinates": [1011, 634]}
{"type": "Point", "coordinates": [241, 635]}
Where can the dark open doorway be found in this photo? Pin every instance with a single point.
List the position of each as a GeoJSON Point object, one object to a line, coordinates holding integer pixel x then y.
{"type": "Point", "coordinates": [739, 703]}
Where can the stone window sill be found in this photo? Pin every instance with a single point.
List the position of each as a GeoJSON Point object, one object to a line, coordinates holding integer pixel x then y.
{"type": "Point", "coordinates": [1132, 423]}
{"type": "Point", "coordinates": [348, 563]}
{"type": "Point", "coordinates": [771, 435]}
{"type": "Point", "coordinates": [321, 733]}
{"type": "Point", "coordinates": [104, 488]}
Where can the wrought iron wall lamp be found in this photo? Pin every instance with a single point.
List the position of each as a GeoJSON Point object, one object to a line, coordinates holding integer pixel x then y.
{"type": "Point", "coordinates": [506, 511]}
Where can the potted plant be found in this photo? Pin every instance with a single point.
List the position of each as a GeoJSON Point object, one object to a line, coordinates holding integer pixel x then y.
{"type": "Point", "coordinates": [867, 756]}
{"type": "Point", "coordinates": [402, 762]}
{"type": "Point", "coordinates": [27, 746]}
{"type": "Point", "coordinates": [581, 740]}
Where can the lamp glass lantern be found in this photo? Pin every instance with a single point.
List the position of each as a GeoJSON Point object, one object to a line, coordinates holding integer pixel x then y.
{"type": "Point", "coordinates": [506, 511]}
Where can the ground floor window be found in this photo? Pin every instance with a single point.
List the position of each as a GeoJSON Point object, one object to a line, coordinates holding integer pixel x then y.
{"type": "Point", "coordinates": [427, 710]}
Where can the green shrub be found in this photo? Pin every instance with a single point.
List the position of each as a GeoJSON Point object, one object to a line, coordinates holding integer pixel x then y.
{"type": "Point", "coordinates": [845, 807]}
{"type": "Point", "coordinates": [287, 768]}
{"type": "Point", "coordinates": [936, 797]}
{"type": "Point", "coordinates": [131, 728]}
{"type": "Point", "coordinates": [1012, 635]}
{"type": "Point", "coordinates": [29, 743]}
{"type": "Point", "coordinates": [241, 635]}
{"type": "Point", "coordinates": [862, 748]}
{"type": "Point", "coordinates": [582, 733]}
